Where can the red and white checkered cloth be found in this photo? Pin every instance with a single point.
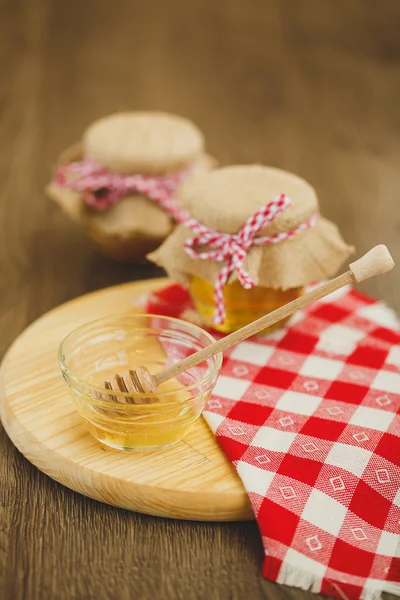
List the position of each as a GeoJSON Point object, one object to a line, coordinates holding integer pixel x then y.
{"type": "Point", "coordinates": [310, 417]}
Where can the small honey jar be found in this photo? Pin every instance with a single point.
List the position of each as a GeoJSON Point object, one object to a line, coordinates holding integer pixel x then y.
{"type": "Point", "coordinates": [121, 180]}
{"type": "Point", "coordinates": [253, 239]}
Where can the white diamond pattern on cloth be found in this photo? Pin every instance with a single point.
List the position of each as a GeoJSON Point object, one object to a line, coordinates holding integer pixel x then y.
{"type": "Point", "coordinates": [359, 533]}
{"type": "Point", "coordinates": [286, 421]}
{"type": "Point", "coordinates": [311, 386]}
{"type": "Point", "coordinates": [240, 371]}
{"type": "Point", "coordinates": [235, 431]}
{"type": "Point", "coordinates": [287, 492]}
{"type": "Point", "coordinates": [214, 404]}
{"type": "Point", "coordinates": [285, 360]}
{"type": "Point", "coordinates": [356, 375]}
{"type": "Point", "coordinates": [313, 543]}
{"type": "Point", "coordinates": [334, 410]}
{"type": "Point", "coordinates": [263, 395]}
{"type": "Point", "coordinates": [310, 447]}
{"type": "Point", "coordinates": [337, 483]}
{"type": "Point", "coordinates": [382, 475]}
{"type": "Point", "coordinates": [383, 400]}
{"type": "Point", "coordinates": [262, 459]}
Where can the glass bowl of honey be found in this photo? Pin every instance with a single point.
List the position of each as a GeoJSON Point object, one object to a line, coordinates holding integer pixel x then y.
{"type": "Point", "coordinates": [90, 356]}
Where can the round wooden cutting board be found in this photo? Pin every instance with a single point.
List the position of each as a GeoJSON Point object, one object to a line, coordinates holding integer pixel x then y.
{"type": "Point", "coordinates": [192, 480]}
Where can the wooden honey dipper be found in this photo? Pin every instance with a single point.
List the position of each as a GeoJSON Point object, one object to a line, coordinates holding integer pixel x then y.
{"type": "Point", "coordinates": [376, 262]}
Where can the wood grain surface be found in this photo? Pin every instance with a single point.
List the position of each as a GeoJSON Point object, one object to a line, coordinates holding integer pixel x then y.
{"type": "Point", "coordinates": [192, 480]}
{"type": "Point", "coordinates": [310, 86]}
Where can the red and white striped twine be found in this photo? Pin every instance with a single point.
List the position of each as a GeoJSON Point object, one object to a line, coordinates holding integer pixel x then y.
{"type": "Point", "coordinates": [233, 248]}
{"type": "Point", "coordinates": [101, 188]}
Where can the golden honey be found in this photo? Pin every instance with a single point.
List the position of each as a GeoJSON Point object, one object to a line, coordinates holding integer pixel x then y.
{"type": "Point", "coordinates": [145, 426]}
{"type": "Point", "coordinates": [242, 306]}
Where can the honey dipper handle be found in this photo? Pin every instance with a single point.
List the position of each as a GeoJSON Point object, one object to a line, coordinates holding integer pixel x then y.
{"type": "Point", "coordinates": [375, 262]}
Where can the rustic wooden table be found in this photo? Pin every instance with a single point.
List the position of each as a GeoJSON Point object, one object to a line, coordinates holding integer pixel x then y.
{"type": "Point", "coordinates": [310, 86]}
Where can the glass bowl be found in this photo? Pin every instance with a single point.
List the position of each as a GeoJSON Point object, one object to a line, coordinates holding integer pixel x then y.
{"type": "Point", "coordinates": [93, 353]}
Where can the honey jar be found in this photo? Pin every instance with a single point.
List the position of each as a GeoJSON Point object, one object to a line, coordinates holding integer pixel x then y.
{"type": "Point", "coordinates": [252, 241]}
{"type": "Point", "coordinates": [121, 180]}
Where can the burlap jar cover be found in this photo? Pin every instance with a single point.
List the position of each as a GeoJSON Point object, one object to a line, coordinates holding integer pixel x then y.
{"type": "Point", "coordinates": [148, 144]}
{"type": "Point", "coordinates": [225, 198]}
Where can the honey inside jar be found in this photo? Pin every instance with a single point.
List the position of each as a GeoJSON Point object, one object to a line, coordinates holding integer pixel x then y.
{"type": "Point", "coordinates": [242, 306]}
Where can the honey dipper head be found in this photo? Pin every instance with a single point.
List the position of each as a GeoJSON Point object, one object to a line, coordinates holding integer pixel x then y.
{"type": "Point", "coordinates": [143, 381]}
{"type": "Point", "coordinates": [139, 381]}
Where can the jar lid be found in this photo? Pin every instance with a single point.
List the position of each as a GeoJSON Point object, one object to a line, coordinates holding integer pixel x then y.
{"type": "Point", "coordinates": [143, 142]}
{"type": "Point", "coordinates": [225, 198]}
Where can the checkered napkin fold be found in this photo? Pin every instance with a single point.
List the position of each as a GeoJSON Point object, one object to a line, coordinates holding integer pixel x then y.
{"type": "Point", "coordinates": [310, 418]}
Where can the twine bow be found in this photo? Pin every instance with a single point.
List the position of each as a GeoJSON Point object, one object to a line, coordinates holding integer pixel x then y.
{"type": "Point", "coordinates": [233, 248]}
{"type": "Point", "coordinates": [101, 188]}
